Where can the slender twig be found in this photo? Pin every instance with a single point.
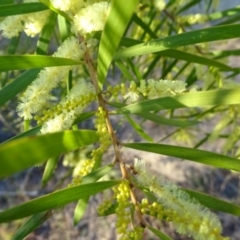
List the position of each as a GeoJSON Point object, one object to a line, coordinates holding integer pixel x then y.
{"type": "Point", "coordinates": [115, 142]}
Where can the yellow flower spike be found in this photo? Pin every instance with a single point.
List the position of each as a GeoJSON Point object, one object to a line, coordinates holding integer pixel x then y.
{"type": "Point", "coordinates": [179, 207]}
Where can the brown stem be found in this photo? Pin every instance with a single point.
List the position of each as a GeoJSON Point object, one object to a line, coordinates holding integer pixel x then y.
{"type": "Point", "coordinates": [118, 157]}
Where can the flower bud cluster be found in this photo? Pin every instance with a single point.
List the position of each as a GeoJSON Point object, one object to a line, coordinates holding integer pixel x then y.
{"type": "Point", "coordinates": [64, 114]}
{"type": "Point", "coordinates": [178, 207]}
{"type": "Point", "coordinates": [102, 131]}
{"type": "Point", "coordinates": [122, 195]}
{"type": "Point", "coordinates": [104, 142]}
{"type": "Point", "coordinates": [76, 181]}
{"type": "Point", "coordinates": [67, 106]}
{"type": "Point", "coordinates": [155, 209]}
{"type": "Point", "coordinates": [149, 89]}
{"type": "Point", "coordinates": [135, 234]}
{"type": "Point", "coordinates": [104, 206]}
{"type": "Point", "coordinates": [86, 167]}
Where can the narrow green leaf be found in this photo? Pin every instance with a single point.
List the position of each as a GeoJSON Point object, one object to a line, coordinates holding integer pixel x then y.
{"type": "Point", "coordinates": [124, 70]}
{"type": "Point", "coordinates": [4, 2]}
{"type": "Point", "coordinates": [30, 132]}
{"type": "Point", "coordinates": [151, 66]}
{"type": "Point", "coordinates": [183, 39]}
{"type": "Point", "coordinates": [128, 42]}
{"type": "Point", "coordinates": [224, 13]}
{"type": "Point", "coordinates": [192, 78]}
{"type": "Point", "coordinates": [97, 174]}
{"type": "Point", "coordinates": [214, 203]}
{"type": "Point", "coordinates": [194, 58]}
{"type": "Point", "coordinates": [31, 224]}
{"type": "Point", "coordinates": [49, 169]}
{"type": "Point", "coordinates": [91, 177]}
{"type": "Point", "coordinates": [160, 120]}
{"type": "Point", "coordinates": [139, 129]}
{"type": "Point", "coordinates": [187, 100]}
{"type": "Point", "coordinates": [9, 62]}
{"type": "Point", "coordinates": [223, 123]}
{"type": "Point", "coordinates": [80, 210]}
{"type": "Point", "coordinates": [21, 82]}
{"type": "Point", "coordinates": [63, 27]}
{"type": "Point", "coordinates": [226, 53]}
{"type": "Point", "coordinates": [230, 20]}
{"type": "Point", "coordinates": [45, 35]}
{"type": "Point", "coordinates": [15, 154]}
{"type": "Point", "coordinates": [171, 64]}
{"type": "Point", "coordinates": [181, 70]}
{"type": "Point", "coordinates": [34, 131]}
{"type": "Point", "coordinates": [54, 200]}
{"type": "Point", "coordinates": [16, 9]}
{"type": "Point", "coordinates": [84, 116]}
{"type": "Point", "coordinates": [195, 155]}
{"type": "Point", "coordinates": [187, 6]}
{"type": "Point", "coordinates": [12, 47]}
{"type": "Point", "coordinates": [111, 210]}
{"type": "Point", "coordinates": [158, 233]}
{"type": "Point", "coordinates": [144, 26]}
{"type": "Point", "coordinates": [134, 69]}
{"type": "Point", "coordinates": [119, 15]}
{"type": "Point", "coordinates": [168, 121]}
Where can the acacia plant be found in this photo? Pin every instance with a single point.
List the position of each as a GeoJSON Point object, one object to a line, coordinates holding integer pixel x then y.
{"type": "Point", "coordinates": [131, 60]}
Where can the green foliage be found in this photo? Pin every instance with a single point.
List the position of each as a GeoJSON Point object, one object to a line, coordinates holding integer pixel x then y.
{"type": "Point", "coordinates": [15, 9]}
{"type": "Point", "coordinates": [137, 40]}
{"type": "Point", "coordinates": [54, 200]}
{"type": "Point", "coordinates": [210, 158]}
{"type": "Point", "coordinates": [116, 23]}
{"type": "Point", "coordinates": [51, 145]}
{"type": "Point", "coordinates": [26, 62]}
{"type": "Point", "coordinates": [180, 40]}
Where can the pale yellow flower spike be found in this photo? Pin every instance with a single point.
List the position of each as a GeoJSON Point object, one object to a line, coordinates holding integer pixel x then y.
{"type": "Point", "coordinates": [34, 22]}
{"type": "Point", "coordinates": [181, 207]}
{"type": "Point", "coordinates": [91, 19]}
{"type": "Point", "coordinates": [68, 5]}
{"type": "Point", "coordinates": [31, 24]}
{"type": "Point", "coordinates": [38, 93]}
{"type": "Point", "coordinates": [11, 26]}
